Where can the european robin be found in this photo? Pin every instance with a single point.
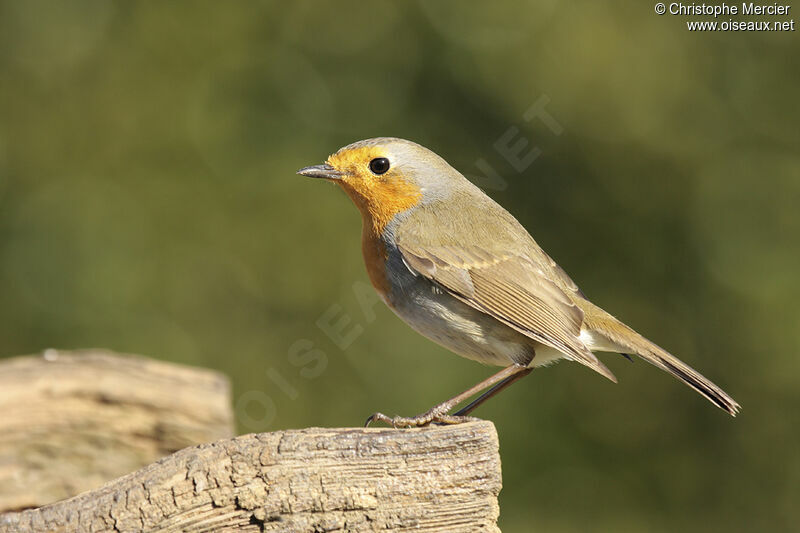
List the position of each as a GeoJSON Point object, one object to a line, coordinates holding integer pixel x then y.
{"type": "Point", "coordinates": [461, 270]}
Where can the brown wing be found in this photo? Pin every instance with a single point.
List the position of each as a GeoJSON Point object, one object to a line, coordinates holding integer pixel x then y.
{"type": "Point", "coordinates": [508, 286]}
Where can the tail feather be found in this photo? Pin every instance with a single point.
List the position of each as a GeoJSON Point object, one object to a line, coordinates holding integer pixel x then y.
{"type": "Point", "coordinates": [622, 338]}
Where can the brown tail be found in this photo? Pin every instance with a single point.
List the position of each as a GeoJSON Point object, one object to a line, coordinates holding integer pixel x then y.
{"type": "Point", "coordinates": [625, 339]}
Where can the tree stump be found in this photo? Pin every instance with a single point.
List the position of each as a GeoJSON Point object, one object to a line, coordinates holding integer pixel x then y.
{"type": "Point", "coordinates": [73, 420]}
{"type": "Point", "coordinates": [434, 479]}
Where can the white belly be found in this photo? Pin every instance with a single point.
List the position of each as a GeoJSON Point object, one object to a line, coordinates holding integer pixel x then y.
{"type": "Point", "coordinates": [458, 327]}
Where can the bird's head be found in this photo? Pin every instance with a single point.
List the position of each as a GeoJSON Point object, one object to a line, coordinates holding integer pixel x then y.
{"type": "Point", "coordinates": [385, 176]}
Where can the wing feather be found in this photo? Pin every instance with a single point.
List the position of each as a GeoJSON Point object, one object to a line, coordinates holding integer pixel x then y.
{"type": "Point", "coordinates": [508, 287]}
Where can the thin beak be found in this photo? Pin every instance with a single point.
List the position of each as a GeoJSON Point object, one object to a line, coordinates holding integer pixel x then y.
{"type": "Point", "coordinates": [320, 171]}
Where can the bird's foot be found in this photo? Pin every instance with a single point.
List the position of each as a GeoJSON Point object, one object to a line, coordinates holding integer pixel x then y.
{"type": "Point", "coordinates": [437, 415]}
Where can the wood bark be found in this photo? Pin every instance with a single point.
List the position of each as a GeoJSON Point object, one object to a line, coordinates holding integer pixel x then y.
{"type": "Point", "coordinates": [73, 420]}
{"type": "Point", "coordinates": [435, 479]}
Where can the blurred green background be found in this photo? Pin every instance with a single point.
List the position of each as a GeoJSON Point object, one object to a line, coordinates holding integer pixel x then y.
{"type": "Point", "coordinates": [148, 204]}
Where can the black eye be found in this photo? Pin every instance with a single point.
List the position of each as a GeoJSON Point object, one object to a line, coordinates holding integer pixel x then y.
{"type": "Point", "coordinates": [379, 165]}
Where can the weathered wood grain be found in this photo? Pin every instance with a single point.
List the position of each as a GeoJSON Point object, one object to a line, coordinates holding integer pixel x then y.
{"type": "Point", "coordinates": [71, 421]}
{"type": "Point", "coordinates": [435, 479]}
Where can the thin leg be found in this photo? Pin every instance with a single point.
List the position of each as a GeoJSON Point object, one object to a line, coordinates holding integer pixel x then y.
{"type": "Point", "coordinates": [439, 413]}
{"type": "Point", "coordinates": [493, 391]}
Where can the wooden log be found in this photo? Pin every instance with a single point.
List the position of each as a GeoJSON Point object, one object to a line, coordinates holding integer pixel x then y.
{"type": "Point", "coordinates": [435, 479]}
{"type": "Point", "coordinates": [72, 421]}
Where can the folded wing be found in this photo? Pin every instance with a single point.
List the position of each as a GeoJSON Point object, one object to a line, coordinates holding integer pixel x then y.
{"type": "Point", "coordinates": [508, 286]}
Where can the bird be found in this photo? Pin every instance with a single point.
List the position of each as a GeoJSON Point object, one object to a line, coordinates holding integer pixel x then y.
{"type": "Point", "coordinates": [462, 271]}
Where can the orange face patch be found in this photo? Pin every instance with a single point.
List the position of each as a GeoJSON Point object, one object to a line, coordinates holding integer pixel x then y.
{"type": "Point", "coordinates": [379, 198]}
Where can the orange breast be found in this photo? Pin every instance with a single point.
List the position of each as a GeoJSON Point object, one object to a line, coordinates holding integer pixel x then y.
{"type": "Point", "coordinates": [379, 203]}
{"type": "Point", "coordinates": [375, 260]}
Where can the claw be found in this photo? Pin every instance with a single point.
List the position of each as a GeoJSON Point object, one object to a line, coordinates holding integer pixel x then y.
{"type": "Point", "coordinates": [379, 417]}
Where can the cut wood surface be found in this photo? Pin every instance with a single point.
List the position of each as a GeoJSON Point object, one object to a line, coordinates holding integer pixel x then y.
{"type": "Point", "coordinates": [72, 421]}
{"type": "Point", "coordinates": [434, 479]}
